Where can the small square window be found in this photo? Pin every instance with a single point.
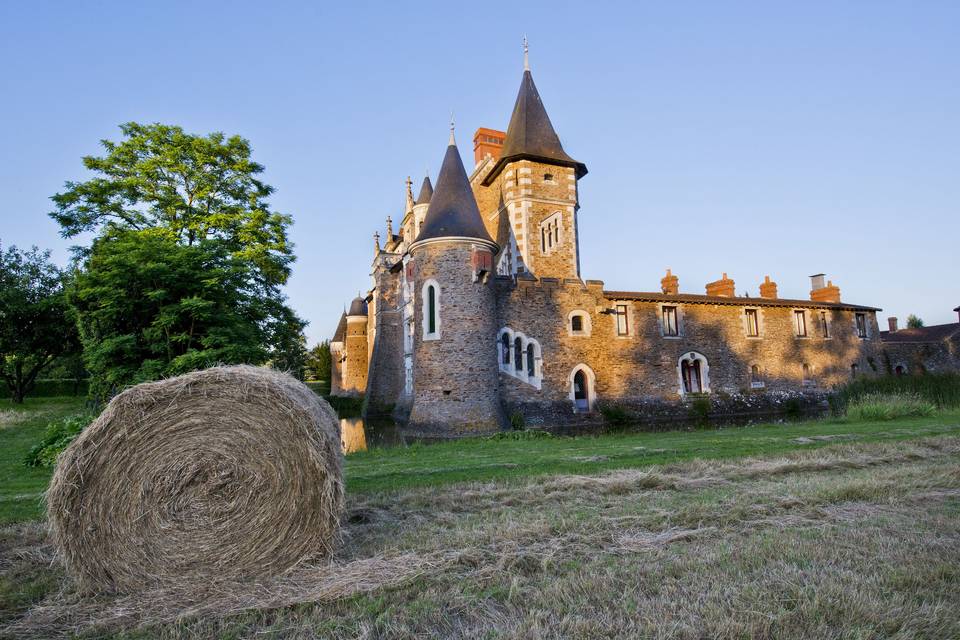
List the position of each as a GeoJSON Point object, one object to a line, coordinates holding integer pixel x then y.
{"type": "Point", "coordinates": [548, 177]}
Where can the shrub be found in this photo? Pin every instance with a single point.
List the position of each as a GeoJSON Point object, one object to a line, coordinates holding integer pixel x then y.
{"type": "Point", "coordinates": [526, 434]}
{"type": "Point", "coordinates": [699, 408]}
{"type": "Point", "coordinates": [878, 406]}
{"type": "Point", "coordinates": [516, 420]}
{"type": "Point", "coordinates": [614, 414]}
{"type": "Point", "coordinates": [940, 389]}
{"type": "Point", "coordinates": [57, 437]}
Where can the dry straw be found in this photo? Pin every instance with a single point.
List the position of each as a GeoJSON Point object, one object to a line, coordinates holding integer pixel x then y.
{"type": "Point", "coordinates": [231, 472]}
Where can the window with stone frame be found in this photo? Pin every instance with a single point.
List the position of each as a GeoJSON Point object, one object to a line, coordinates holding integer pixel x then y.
{"type": "Point", "coordinates": [671, 324]}
{"type": "Point", "coordinates": [578, 323]}
{"type": "Point", "coordinates": [550, 234]}
{"type": "Point", "coordinates": [622, 319]}
{"type": "Point", "coordinates": [800, 323]}
{"type": "Point", "coordinates": [505, 348]}
{"type": "Point", "coordinates": [824, 325]}
{"type": "Point", "coordinates": [430, 301]}
{"type": "Point", "coordinates": [756, 377]}
{"type": "Point", "coordinates": [751, 318]}
{"type": "Point", "coordinates": [861, 320]}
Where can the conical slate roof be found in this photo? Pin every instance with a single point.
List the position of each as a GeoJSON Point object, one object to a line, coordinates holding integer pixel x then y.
{"type": "Point", "coordinates": [426, 192]}
{"type": "Point", "coordinates": [358, 307]}
{"type": "Point", "coordinates": [453, 210]}
{"type": "Point", "coordinates": [341, 331]}
{"type": "Point", "coordinates": [531, 135]}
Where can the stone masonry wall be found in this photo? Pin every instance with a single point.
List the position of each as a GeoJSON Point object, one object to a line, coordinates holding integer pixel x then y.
{"type": "Point", "coordinates": [642, 368]}
{"type": "Point", "coordinates": [354, 378]}
{"type": "Point", "coordinates": [455, 376]}
{"type": "Point", "coordinates": [385, 379]}
{"type": "Point", "coordinates": [920, 357]}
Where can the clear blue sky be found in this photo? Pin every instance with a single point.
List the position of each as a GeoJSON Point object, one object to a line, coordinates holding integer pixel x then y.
{"type": "Point", "coordinates": [753, 138]}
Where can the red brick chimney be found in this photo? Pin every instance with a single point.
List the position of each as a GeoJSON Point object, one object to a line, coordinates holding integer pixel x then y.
{"type": "Point", "coordinates": [487, 142]}
{"type": "Point", "coordinates": [892, 322]}
{"type": "Point", "coordinates": [670, 284]}
{"type": "Point", "coordinates": [820, 292]}
{"type": "Point", "coordinates": [722, 287]}
{"type": "Point", "coordinates": [768, 288]}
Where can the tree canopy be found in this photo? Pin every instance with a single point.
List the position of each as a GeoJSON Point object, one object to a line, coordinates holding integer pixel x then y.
{"type": "Point", "coordinates": [914, 322]}
{"type": "Point", "coordinates": [188, 260]}
{"type": "Point", "coordinates": [36, 326]}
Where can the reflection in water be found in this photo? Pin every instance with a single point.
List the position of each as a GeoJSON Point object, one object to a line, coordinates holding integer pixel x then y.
{"type": "Point", "coordinates": [357, 434]}
{"type": "Point", "coordinates": [352, 436]}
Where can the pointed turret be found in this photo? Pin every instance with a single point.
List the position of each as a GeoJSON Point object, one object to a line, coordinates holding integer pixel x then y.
{"type": "Point", "coordinates": [531, 135]}
{"type": "Point", "coordinates": [453, 211]}
{"type": "Point", "coordinates": [426, 191]}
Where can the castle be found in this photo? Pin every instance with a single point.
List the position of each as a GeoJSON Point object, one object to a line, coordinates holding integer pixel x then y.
{"type": "Point", "coordinates": [478, 315]}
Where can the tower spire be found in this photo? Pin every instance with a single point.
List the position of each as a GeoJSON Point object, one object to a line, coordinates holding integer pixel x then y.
{"type": "Point", "coordinates": [452, 142]}
{"type": "Point", "coordinates": [526, 54]}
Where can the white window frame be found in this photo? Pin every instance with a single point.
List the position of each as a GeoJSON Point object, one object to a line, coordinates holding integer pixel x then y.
{"type": "Point", "coordinates": [679, 319]}
{"type": "Point", "coordinates": [510, 369]}
{"type": "Point", "coordinates": [746, 323]}
{"type": "Point", "coordinates": [425, 310]}
{"type": "Point", "coordinates": [506, 367]}
{"type": "Point", "coordinates": [806, 324]}
{"type": "Point", "coordinates": [616, 319]}
{"type": "Point", "coordinates": [586, 321]}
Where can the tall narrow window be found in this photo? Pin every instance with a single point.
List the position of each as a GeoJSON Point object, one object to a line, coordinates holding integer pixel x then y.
{"type": "Point", "coordinates": [431, 309]}
{"type": "Point", "coordinates": [543, 240]}
{"type": "Point", "coordinates": [670, 327]}
{"type": "Point", "coordinates": [824, 325]}
{"type": "Point", "coordinates": [800, 323]}
{"type": "Point", "coordinates": [861, 325]}
{"type": "Point", "coordinates": [756, 377]}
{"type": "Point", "coordinates": [807, 374]}
{"type": "Point", "coordinates": [753, 323]}
{"type": "Point", "coordinates": [622, 327]}
{"type": "Point", "coordinates": [531, 362]}
{"type": "Point", "coordinates": [518, 354]}
{"type": "Point", "coordinates": [854, 370]}
{"type": "Point", "coordinates": [576, 323]}
{"type": "Point", "coordinates": [505, 345]}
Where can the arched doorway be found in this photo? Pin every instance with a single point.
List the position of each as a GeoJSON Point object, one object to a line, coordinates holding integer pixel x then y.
{"type": "Point", "coordinates": [582, 391]}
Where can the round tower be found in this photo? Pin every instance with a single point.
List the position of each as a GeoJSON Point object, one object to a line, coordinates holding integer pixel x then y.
{"type": "Point", "coordinates": [354, 372]}
{"type": "Point", "coordinates": [455, 372]}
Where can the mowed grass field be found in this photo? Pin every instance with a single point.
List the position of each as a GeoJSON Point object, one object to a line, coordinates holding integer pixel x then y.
{"type": "Point", "coordinates": [826, 529]}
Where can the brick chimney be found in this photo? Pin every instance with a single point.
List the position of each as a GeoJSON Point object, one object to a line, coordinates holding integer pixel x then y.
{"type": "Point", "coordinates": [722, 287]}
{"type": "Point", "coordinates": [768, 288]}
{"type": "Point", "coordinates": [487, 142]}
{"type": "Point", "coordinates": [820, 292]}
{"type": "Point", "coordinates": [670, 284]}
{"type": "Point", "coordinates": [892, 323]}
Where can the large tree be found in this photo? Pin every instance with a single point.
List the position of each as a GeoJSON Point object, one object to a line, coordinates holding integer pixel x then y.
{"type": "Point", "coordinates": [189, 260]}
{"type": "Point", "coordinates": [318, 361]}
{"type": "Point", "coordinates": [35, 323]}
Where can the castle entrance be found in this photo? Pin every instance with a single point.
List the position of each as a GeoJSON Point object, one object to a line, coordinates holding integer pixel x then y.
{"type": "Point", "coordinates": [580, 393]}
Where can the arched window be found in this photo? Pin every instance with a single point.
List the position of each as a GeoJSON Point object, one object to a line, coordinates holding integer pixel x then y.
{"type": "Point", "coordinates": [518, 353]}
{"type": "Point", "coordinates": [582, 393]}
{"type": "Point", "coordinates": [900, 370]}
{"type": "Point", "coordinates": [578, 323]}
{"type": "Point", "coordinates": [531, 361]}
{"type": "Point", "coordinates": [505, 347]}
{"type": "Point", "coordinates": [430, 301]}
{"type": "Point", "coordinates": [694, 373]}
{"type": "Point", "coordinates": [756, 377]}
{"type": "Point", "coordinates": [854, 370]}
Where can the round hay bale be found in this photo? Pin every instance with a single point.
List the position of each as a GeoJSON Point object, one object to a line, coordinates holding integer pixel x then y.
{"type": "Point", "coordinates": [231, 472]}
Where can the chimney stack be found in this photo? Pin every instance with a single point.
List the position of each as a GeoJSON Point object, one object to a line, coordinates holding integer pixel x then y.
{"type": "Point", "coordinates": [487, 142]}
{"type": "Point", "coordinates": [768, 288]}
{"type": "Point", "coordinates": [957, 309]}
{"type": "Point", "coordinates": [892, 321]}
{"type": "Point", "coordinates": [820, 292]}
{"type": "Point", "coordinates": [670, 284]}
{"type": "Point", "coordinates": [722, 287]}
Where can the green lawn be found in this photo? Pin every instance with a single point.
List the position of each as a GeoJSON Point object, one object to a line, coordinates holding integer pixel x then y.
{"type": "Point", "coordinates": [482, 459]}
{"type": "Point", "coordinates": [22, 487]}
{"type": "Point", "coordinates": [487, 459]}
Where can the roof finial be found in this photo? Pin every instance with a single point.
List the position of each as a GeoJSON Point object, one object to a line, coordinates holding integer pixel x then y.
{"type": "Point", "coordinates": [526, 54]}
{"type": "Point", "coordinates": [452, 141]}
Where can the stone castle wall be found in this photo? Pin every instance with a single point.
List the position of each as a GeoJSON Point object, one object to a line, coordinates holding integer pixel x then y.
{"type": "Point", "coordinates": [354, 368]}
{"type": "Point", "coordinates": [643, 368]}
{"type": "Point", "coordinates": [921, 357]}
{"type": "Point", "coordinates": [385, 379]}
{"type": "Point", "coordinates": [455, 375]}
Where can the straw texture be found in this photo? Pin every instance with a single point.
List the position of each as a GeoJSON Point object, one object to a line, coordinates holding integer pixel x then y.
{"type": "Point", "coordinates": [230, 472]}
